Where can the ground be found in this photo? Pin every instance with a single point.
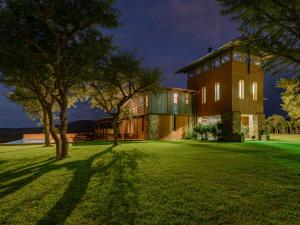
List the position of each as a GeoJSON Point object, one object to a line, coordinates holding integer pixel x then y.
{"type": "Point", "coordinates": [183, 182]}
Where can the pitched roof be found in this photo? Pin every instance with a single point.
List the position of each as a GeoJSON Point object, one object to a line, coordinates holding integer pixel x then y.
{"type": "Point", "coordinates": [220, 50]}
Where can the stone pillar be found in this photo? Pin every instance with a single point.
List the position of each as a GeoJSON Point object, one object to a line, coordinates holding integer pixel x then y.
{"type": "Point", "coordinates": [232, 126]}
{"type": "Point", "coordinates": [151, 128]}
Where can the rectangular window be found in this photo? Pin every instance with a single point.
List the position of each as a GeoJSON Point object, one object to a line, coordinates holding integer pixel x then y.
{"type": "Point", "coordinates": [241, 89]}
{"type": "Point", "coordinates": [175, 98]}
{"type": "Point", "coordinates": [217, 92]}
{"type": "Point", "coordinates": [254, 91]}
{"type": "Point", "coordinates": [186, 98]}
{"type": "Point", "coordinates": [174, 122]}
{"type": "Point", "coordinates": [146, 101]}
{"type": "Point", "coordinates": [203, 95]}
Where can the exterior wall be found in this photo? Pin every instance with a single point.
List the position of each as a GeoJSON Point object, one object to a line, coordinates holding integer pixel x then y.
{"type": "Point", "coordinates": [247, 105]}
{"type": "Point", "coordinates": [162, 126]}
{"type": "Point", "coordinates": [162, 102]}
{"type": "Point", "coordinates": [232, 125]}
{"type": "Point", "coordinates": [71, 137]}
{"type": "Point", "coordinates": [208, 79]}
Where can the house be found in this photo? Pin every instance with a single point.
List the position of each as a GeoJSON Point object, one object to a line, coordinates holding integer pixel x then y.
{"type": "Point", "coordinates": [226, 86]}
{"type": "Point", "coordinates": [165, 114]}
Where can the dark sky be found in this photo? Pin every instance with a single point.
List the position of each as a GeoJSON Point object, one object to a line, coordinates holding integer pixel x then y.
{"type": "Point", "coordinates": [164, 33]}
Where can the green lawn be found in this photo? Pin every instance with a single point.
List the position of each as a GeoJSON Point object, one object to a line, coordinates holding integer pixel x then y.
{"type": "Point", "coordinates": [182, 182]}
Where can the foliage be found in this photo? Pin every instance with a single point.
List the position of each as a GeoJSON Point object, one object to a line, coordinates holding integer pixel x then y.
{"type": "Point", "coordinates": [243, 132]}
{"type": "Point", "coordinates": [276, 124]}
{"type": "Point", "coordinates": [270, 26]}
{"type": "Point", "coordinates": [142, 182]}
{"type": "Point", "coordinates": [215, 130]}
{"type": "Point", "coordinates": [191, 135]}
{"type": "Point", "coordinates": [291, 97]}
{"type": "Point", "coordinates": [122, 78]}
{"type": "Point", "coordinates": [52, 47]}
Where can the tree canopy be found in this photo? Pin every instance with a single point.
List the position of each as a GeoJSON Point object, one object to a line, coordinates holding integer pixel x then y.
{"type": "Point", "coordinates": [123, 78]}
{"type": "Point", "coordinates": [53, 47]}
{"type": "Point", "coordinates": [291, 97]}
{"type": "Point", "coordinates": [272, 26]}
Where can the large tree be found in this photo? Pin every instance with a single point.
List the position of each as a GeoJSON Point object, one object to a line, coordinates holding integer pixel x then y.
{"type": "Point", "coordinates": [272, 26]}
{"type": "Point", "coordinates": [32, 107]}
{"type": "Point", "coordinates": [123, 77]}
{"type": "Point", "coordinates": [53, 47]}
{"type": "Point", "coordinates": [291, 97]}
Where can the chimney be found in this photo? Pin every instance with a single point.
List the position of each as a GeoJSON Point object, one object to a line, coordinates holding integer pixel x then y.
{"type": "Point", "coordinates": [210, 49]}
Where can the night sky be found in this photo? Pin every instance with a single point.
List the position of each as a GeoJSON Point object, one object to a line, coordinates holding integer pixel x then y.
{"type": "Point", "coordinates": [165, 33]}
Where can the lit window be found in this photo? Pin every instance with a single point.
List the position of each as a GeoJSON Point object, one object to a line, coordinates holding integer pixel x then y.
{"type": "Point", "coordinates": [175, 98]}
{"type": "Point", "coordinates": [254, 91]}
{"type": "Point", "coordinates": [241, 89]}
{"type": "Point", "coordinates": [217, 92]}
{"type": "Point", "coordinates": [146, 100]}
{"type": "Point", "coordinates": [203, 95]}
{"type": "Point", "coordinates": [186, 98]}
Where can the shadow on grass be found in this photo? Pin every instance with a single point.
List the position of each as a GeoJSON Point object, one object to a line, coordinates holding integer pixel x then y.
{"type": "Point", "coordinates": [89, 143]}
{"type": "Point", "coordinates": [121, 200]}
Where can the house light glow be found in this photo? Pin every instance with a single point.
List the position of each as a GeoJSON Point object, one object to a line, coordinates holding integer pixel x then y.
{"type": "Point", "coordinates": [254, 91]}
{"type": "Point", "coordinates": [217, 92]}
{"type": "Point", "coordinates": [175, 98]}
{"type": "Point", "coordinates": [241, 89]}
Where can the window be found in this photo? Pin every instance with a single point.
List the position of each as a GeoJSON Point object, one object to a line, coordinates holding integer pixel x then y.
{"type": "Point", "coordinates": [241, 89]}
{"type": "Point", "coordinates": [174, 122]}
{"type": "Point", "coordinates": [254, 91]}
{"type": "Point", "coordinates": [175, 98]}
{"type": "Point", "coordinates": [203, 95]}
{"type": "Point", "coordinates": [186, 98]}
{"type": "Point", "coordinates": [146, 101]}
{"type": "Point", "coordinates": [217, 92]}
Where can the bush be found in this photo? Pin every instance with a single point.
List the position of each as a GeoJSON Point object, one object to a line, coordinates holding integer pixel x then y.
{"type": "Point", "coordinates": [191, 135]}
{"type": "Point", "coordinates": [215, 130]}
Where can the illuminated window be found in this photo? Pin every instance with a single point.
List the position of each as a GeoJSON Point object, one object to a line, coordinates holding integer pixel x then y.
{"type": "Point", "coordinates": [241, 89]}
{"type": "Point", "coordinates": [146, 100]}
{"type": "Point", "coordinates": [254, 91]}
{"type": "Point", "coordinates": [203, 95]}
{"type": "Point", "coordinates": [175, 98]}
{"type": "Point", "coordinates": [217, 92]}
{"type": "Point", "coordinates": [186, 98]}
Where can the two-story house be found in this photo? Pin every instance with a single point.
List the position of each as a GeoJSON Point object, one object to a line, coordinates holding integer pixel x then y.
{"type": "Point", "coordinates": [224, 86]}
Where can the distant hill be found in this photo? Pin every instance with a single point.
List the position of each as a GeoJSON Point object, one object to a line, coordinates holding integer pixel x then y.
{"type": "Point", "coordinates": [12, 134]}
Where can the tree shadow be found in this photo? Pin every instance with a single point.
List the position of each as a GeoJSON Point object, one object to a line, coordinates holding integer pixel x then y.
{"type": "Point", "coordinates": [121, 201]}
{"type": "Point", "coordinates": [37, 169]}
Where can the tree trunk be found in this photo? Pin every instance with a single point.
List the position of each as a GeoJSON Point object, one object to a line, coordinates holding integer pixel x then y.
{"type": "Point", "coordinates": [116, 129]}
{"type": "Point", "coordinates": [54, 135]}
{"type": "Point", "coordinates": [46, 128]}
{"type": "Point", "coordinates": [63, 130]}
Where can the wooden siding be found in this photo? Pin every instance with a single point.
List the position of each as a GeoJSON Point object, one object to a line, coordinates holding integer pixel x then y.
{"type": "Point", "coordinates": [228, 75]}
{"type": "Point", "coordinates": [247, 105]}
{"type": "Point", "coordinates": [183, 123]}
{"type": "Point", "coordinates": [221, 75]}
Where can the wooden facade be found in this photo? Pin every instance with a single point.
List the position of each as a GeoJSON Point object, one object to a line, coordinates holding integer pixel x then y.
{"type": "Point", "coordinates": [226, 86]}
{"type": "Point", "coordinates": [165, 114]}
{"type": "Point", "coordinates": [234, 89]}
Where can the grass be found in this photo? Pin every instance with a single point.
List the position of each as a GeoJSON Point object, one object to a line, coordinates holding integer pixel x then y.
{"type": "Point", "coordinates": [182, 182]}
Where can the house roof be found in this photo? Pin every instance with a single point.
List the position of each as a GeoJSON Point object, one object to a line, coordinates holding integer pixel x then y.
{"type": "Point", "coordinates": [220, 50]}
{"type": "Point", "coordinates": [179, 89]}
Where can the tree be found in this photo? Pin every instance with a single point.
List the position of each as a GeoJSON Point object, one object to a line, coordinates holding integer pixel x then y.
{"type": "Point", "coordinates": [271, 26]}
{"type": "Point", "coordinates": [276, 124]}
{"type": "Point", "coordinates": [33, 109]}
{"type": "Point", "coordinates": [57, 46]}
{"type": "Point", "coordinates": [291, 97]}
{"type": "Point", "coordinates": [122, 79]}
